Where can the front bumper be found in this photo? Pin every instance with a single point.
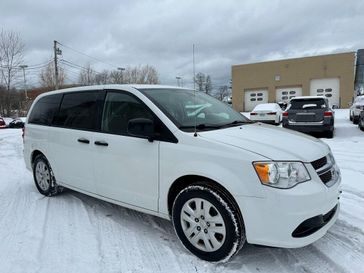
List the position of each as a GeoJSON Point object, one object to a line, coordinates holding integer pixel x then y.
{"type": "Point", "coordinates": [273, 220]}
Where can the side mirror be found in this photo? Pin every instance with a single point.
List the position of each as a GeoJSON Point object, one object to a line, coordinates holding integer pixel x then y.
{"type": "Point", "coordinates": [141, 127]}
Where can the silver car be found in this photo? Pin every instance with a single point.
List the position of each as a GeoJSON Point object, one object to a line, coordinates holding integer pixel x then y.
{"type": "Point", "coordinates": [355, 109]}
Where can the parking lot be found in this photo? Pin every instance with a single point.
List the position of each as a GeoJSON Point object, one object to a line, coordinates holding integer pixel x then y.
{"type": "Point", "coordinates": [76, 233]}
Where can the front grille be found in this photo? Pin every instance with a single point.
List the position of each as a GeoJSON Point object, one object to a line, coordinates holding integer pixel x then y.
{"type": "Point", "coordinates": [326, 170]}
{"type": "Point", "coordinates": [319, 163]}
{"type": "Point", "coordinates": [326, 177]}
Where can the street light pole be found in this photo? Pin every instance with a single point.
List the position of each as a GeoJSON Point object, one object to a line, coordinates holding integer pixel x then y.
{"type": "Point", "coordinates": [121, 69]}
{"type": "Point", "coordinates": [178, 79]}
{"type": "Point", "coordinates": [25, 82]}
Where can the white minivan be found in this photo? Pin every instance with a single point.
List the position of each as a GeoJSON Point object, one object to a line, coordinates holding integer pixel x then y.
{"type": "Point", "coordinates": [185, 156]}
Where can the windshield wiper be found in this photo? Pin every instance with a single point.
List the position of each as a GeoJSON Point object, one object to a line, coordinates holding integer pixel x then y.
{"type": "Point", "coordinates": [235, 123]}
{"type": "Point", "coordinates": [201, 126]}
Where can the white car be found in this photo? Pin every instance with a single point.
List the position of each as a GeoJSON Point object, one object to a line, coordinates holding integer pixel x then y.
{"type": "Point", "coordinates": [355, 109]}
{"type": "Point", "coordinates": [267, 112]}
{"type": "Point", "coordinates": [220, 178]}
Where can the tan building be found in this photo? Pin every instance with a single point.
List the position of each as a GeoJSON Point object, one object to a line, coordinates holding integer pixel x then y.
{"type": "Point", "coordinates": [331, 76]}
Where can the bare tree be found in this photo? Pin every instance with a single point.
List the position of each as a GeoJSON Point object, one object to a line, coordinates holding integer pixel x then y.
{"type": "Point", "coordinates": [102, 77]}
{"type": "Point", "coordinates": [11, 56]}
{"type": "Point", "coordinates": [222, 92]}
{"type": "Point", "coordinates": [47, 76]}
{"type": "Point", "coordinates": [87, 76]}
{"type": "Point", "coordinates": [200, 80]}
{"type": "Point", "coordinates": [141, 74]}
{"type": "Point", "coordinates": [116, 76]}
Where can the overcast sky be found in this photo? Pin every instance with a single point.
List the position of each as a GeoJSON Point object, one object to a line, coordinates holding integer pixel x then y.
{"type": "Point", "coordinates": [125, 33]}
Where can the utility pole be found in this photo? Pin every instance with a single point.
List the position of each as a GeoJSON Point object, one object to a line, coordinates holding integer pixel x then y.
{"type": "Point", "coordinates": [25, 82]}
{"type": "Point", "coordinates": [57, 51]}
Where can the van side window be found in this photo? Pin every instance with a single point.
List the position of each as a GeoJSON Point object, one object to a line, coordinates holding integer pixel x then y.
{"type": "Point", "coordinates": [78, 111]}
{"type": "Point", "coordinates": [119, 108]}
{"type": "Point", "coordinates": [45, 109]}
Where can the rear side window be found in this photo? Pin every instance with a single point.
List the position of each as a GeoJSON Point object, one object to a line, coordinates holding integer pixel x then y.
{"type": "Point", "coordinates": [45, 109]}
{"type": "Point", "coordinates": [119, 108]}
{"type": "Point", "coordinates": [306, 104]}
{"type": "Point", "coordinates": [78, 111]}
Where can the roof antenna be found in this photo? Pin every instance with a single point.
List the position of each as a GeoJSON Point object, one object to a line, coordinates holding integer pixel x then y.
{"type": "Point", "coordinates": [194, 86]}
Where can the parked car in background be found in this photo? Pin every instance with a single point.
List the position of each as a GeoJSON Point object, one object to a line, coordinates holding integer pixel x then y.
{"type": "Point", "coordinates": [308, 115]}
{"type": "Point", "coordinates": [267, 113]}
{"type": "Point", "coordinates": [282, 104]}
{"type": "Point", "coordinates": [16, 123]}
{"type": "Point", "coordinates": [355, 109]}
{"type": "Point", "coordinates": [2, 123]}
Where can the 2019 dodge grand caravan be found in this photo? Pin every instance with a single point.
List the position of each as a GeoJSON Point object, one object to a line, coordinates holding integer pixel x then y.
{"type": "Point", "coordinates": [182, 155]}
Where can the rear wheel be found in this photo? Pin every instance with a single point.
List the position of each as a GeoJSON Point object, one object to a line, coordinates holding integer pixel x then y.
{"type": "Point", "coordinates": [361, 124]}
{"type": "Point", "coordinates": [355, 120]}
{"type": "Point", "coordinates": [44, 178]}
{"type": "Point", "coordinates": [207, 224]}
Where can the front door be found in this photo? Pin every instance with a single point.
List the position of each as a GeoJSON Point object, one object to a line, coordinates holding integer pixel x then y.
{"type": "Point", "coordinates": [126, 167]}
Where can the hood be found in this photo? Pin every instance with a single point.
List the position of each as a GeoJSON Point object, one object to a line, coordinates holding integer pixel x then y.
{"type": "Point", "coordinates": [272, 142]}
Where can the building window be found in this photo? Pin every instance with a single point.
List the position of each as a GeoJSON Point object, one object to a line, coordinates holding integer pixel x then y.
{"type": "Point", "coordinates": [328, 90]}
{"type": "Point", "coordinates": [259, 99]}
{"type": "Point", "coordinates": [260, 94]}
{"type": "Point", "coordinates": [320, 90]}
{"type": "Point", "coordinates": [277, 78]}
{"type": "Point", "coordinates": [292, 92]}
{"type": "Point", "coordinates": [284, 93]}
{"type": "Point", "coordinates": [328, 95]}
{"type": "Point", "coordinates": [253, 99]}
{"type": "Point", "coordinates": [285, 98]}
{"type": "Point", "coordinates": [253, 94]}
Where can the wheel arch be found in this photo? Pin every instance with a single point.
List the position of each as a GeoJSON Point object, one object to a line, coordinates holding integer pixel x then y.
{"type": "Point", "coordinates": [34, 154]}
{"type": "Point", "coordinates": [184, 181]}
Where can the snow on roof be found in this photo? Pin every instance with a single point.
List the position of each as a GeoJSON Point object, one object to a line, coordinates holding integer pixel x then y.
{"type": "Point", "coordinates": [307, 97]}
{"type": "Point", "coordinates": [266, 106]}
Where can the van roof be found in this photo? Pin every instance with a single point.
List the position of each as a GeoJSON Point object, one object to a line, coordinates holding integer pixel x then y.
{"type": "Point", "coordinates": [112, 86]}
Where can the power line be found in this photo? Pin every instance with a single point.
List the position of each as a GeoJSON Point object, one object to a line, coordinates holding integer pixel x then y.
{"type": "Point", "coordinates": [79, 52]}
{"type": "Point", "coordinates": [76, 66]}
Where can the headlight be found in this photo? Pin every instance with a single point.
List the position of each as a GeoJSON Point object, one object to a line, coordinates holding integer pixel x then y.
{"type": "Point", "coordinates": [281, 174]}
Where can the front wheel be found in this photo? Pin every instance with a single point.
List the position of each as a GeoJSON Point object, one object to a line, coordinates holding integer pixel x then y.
{"type": "Point", "coordinates": [207, 224]}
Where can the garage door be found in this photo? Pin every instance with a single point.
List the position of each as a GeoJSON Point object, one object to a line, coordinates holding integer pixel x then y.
{"type": "Point", "coordinates": [328, 87]}
{"type": "Point", "coordinates": [287, 93]}
{"type": "Point", "coordinates": [253, 98]}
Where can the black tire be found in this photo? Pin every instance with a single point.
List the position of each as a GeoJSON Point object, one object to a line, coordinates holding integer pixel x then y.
{"type": "Point", "coordinates": [234, 237]}
{"type": "Point", "coordinates": [361, 124]}
{"type": "Point", "coordinates": [45, 182]}
{"type": "Point", "coordinates": [351, 117]}
{"type": "Point", "coordinates": [355, 120]}
{"type": "Point", "coordinates": [330, 134]}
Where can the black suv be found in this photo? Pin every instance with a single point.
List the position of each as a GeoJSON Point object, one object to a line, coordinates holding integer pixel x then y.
{"type": "Point", "coordinates": [309, 115]}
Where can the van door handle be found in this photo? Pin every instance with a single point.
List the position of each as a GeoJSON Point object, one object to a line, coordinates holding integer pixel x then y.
{"type": "Point", "coordinates": [101, 143]}
{"type": "Point", "coordinates": [83, 140]}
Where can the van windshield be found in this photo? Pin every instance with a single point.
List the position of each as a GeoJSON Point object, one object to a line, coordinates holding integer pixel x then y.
{"type": "Point", "coordinates": [185, 108]}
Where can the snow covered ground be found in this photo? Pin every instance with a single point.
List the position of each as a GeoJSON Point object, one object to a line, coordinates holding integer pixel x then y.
{"type": "Point", "coordinates": [76, 233]}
